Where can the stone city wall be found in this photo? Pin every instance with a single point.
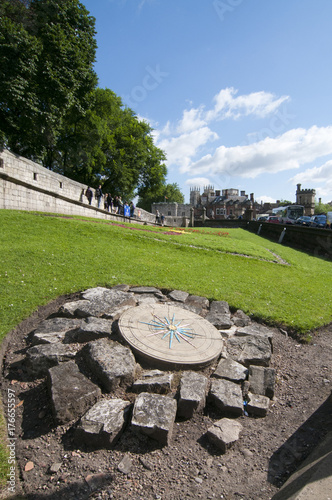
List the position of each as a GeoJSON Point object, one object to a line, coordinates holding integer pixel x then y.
{"type": "Point", "coordinates": [26, 185]}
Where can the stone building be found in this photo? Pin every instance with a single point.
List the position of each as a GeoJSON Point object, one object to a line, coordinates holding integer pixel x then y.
{"type": "Point", "coordinates": [218, 204]}
{"type": "Point", "coordinates": [306, 197]}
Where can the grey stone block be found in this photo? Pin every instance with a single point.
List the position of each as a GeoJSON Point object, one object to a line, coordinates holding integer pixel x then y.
{"type": "Point", "coordinates": [72, 394]}
{"type": "Point", "coordinates": [154, 415]}
{"type": "Point", "coordinates": [178, 295]}
{"type": "Point", "coordinates": [256, 329]}
{"type": "Point", "coordinates": [224, 433]}
{"type": "Point", "coordinates": [160, 384]}
{"type": "Point", "coordinates": [230, 370]}
{"type": "Point", "coordinates": [99, 302]}
{"type": "Point", "coordinates": [53, 330]}
{"type": "Point", "coordinates": [226, 396]}
{"type": "Point", "coordinates": [192, 397]}
{"type": "Point", "coordinates": [262, 380]}
{"type": "Point", "coordinates": [112, 363]}
{"type": "Point", "coordinates": [197, 304]}
{"type": "Point", "coordinates": [90, 329]}
{"type": "Point", "coordinates": [220, 321]}
{"type": "Point", "coordinates": [249, 350]}
{"type": "Point", "coordinates": [257, 405]}
{"type": "Point", "coordinates": [42, 357]}
{"type": "Point", "coordinates": [240, 319]}
{"type": "Point", "coordinates": [103, 424]}
{"type": "Point", "coordinates": [219, 307]}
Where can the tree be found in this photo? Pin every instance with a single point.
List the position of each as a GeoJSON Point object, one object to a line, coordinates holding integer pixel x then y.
{"type": "Point", "coordinates": [169, 193]}
{"type": "Point", "coordinates": [109, 145]}
{"type": "Point", "coordinates": [52, 111]}
{"type": "Point", "coordinates": [322, 208]}
{"type": "Point", "coordinates": [47, 49]}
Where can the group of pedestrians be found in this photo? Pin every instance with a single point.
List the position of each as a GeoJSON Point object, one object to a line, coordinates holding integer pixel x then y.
{"type": "Point", "coordinates": [114, 205]}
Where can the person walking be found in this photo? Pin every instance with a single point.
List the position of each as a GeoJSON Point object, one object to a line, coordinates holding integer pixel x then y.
{"type": "Point", "coordinates": [89, 194]}
{"type": "Point", "coordinates": [99, 195]}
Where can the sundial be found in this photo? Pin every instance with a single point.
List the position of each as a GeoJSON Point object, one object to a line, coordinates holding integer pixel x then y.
{"type": "Point", "coordinates": [169, 335]}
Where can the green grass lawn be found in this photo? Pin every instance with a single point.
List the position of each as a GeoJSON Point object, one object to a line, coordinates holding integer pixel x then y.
{"type": "Point", "coordinates": [44, 256]}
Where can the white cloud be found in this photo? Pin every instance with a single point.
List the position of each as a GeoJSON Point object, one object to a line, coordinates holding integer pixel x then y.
{"type": "Point", "coordinates": [319, 178]}
{"type": "Point", "coordinates": [180, 150]}
{"type": "Point", "coordinates": [271, 155]}
{"type": "Point", "coordinates": [198, 182]}
{"type": "Point", "coordinates": [260, 104]}
{"type": "Point", "coordinates": [191, 120]}
{"type": "Point", "coordinates": [183, 141]}
{"type": "Point", "coordinates": [265, 199]}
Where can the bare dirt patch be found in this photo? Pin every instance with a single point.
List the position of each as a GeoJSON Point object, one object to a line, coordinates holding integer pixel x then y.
{"type": "Point", "coordinates": [268, 451]}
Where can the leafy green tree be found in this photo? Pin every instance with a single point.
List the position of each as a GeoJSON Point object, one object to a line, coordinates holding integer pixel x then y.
{"type": "Point", "coordinates": [322, 208]}
{"type": "Point", "coordinates": [167, 193]}
{"type": "Point", "coordinates": [109, 145]}
{"type": "Point", "coordinates": [47, 50]}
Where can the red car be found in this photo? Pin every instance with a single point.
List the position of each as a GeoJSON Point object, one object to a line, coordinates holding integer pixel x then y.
{"type": "Point", "coordinates": [273, 218]}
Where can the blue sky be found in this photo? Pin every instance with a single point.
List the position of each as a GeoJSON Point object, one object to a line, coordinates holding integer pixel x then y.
{"type": "Point", "coordinates": [238, 92]}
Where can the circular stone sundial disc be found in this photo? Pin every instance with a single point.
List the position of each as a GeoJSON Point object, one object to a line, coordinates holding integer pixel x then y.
{"type": "Point", "coordinates": [170, 335]}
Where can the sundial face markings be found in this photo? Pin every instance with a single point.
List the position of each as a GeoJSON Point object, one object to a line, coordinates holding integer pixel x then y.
{"type": "Point", "coordinates": [169, 327]}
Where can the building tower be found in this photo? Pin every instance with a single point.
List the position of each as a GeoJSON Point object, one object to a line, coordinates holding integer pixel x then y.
{"type": "Point", "coordinates": [195, 196]}
{"type": "Point", "coordinates": [306, 197]}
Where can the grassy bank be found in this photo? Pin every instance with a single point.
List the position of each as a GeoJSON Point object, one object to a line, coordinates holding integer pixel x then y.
{"type": "Point", "coordinates": [44, 256]}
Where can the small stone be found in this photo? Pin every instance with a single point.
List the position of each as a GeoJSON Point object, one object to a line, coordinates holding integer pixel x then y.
{"type": "Point", "coordinates": [29, 466]}
{"type": "Point", "coordinates": [125, 465]}
{"type": "Point", "coordinates": [54, 468]}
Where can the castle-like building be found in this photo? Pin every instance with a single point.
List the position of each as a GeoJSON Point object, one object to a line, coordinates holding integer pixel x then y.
{"type": "Point", "coordinates": [228, 204]}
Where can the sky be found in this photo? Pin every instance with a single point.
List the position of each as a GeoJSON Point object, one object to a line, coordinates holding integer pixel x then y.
{"type": "Point", "coordinates": [238, 92]}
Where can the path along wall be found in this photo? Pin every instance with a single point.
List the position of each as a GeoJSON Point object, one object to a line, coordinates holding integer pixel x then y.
{"type": "Point", "coordinates": [26, 185]}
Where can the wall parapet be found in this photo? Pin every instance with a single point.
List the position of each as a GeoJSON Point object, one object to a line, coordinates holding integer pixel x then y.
{"type": "Point", "coordinates": [26, 185]}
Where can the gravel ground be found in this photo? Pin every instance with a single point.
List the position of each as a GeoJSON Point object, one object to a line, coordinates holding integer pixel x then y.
{"type": "Point", "coordinates": [268, 451]}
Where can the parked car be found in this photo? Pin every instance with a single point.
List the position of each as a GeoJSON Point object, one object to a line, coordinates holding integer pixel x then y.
{"type": "Point", "coordinates": [262, 218]}
{"type": "Point", "coordinates": [318, 221]}
{"type": "Point", "coordinates": [273, 218]}
{"type": "Point", "coordinates": [305, 220]}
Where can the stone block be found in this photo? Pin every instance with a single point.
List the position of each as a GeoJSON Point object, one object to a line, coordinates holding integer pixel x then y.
{"type": "Point", "coordinates": [197, 304]}
{"type": "Point", "coordinates": [262, 380]}
{"type": "Point", "coordinates": [219, 307]}
{"type": "Point", "coordinates": [220, 321]}
{"type": "Point", "coordinates": [257, 405]}
{"type": "Point", "coordinates": [112, 363]}
{"type": "Point", "coordinates": [224, 433]}
{"type": "Point", "coordinates": [90, 329]}
{"type": "Point", "coordinates": [146, 298]}
{"type": "Point", "coordinates": [51, 331]}
{"type": "Point", "coordinates": [240, 319]}
{"type": "Point", "coordinates": [230, 370]}
{"type": "Point", "coordinates": [72, 394]}
{"type": "Point", "coordinates": [249, 350]}
{"type": "Point", "coordinates": [256, 329]}
{"type": "Point", "coordinates": [178, 296]}
{"type": "Point", "coordinates": [103, 424]}
{"type": "Point", "coordinates": [192, 397]}
{"type": "Point", "coordinates": [226, 396]}
{"type": "Point", "coordinates": [160, 384]}
{"type": "Point", "coordinates": [154, 415]}
{"type": "Point", "coordinates": [99, 302]}
{"type": "Point", "coordinates": [42, 357]}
